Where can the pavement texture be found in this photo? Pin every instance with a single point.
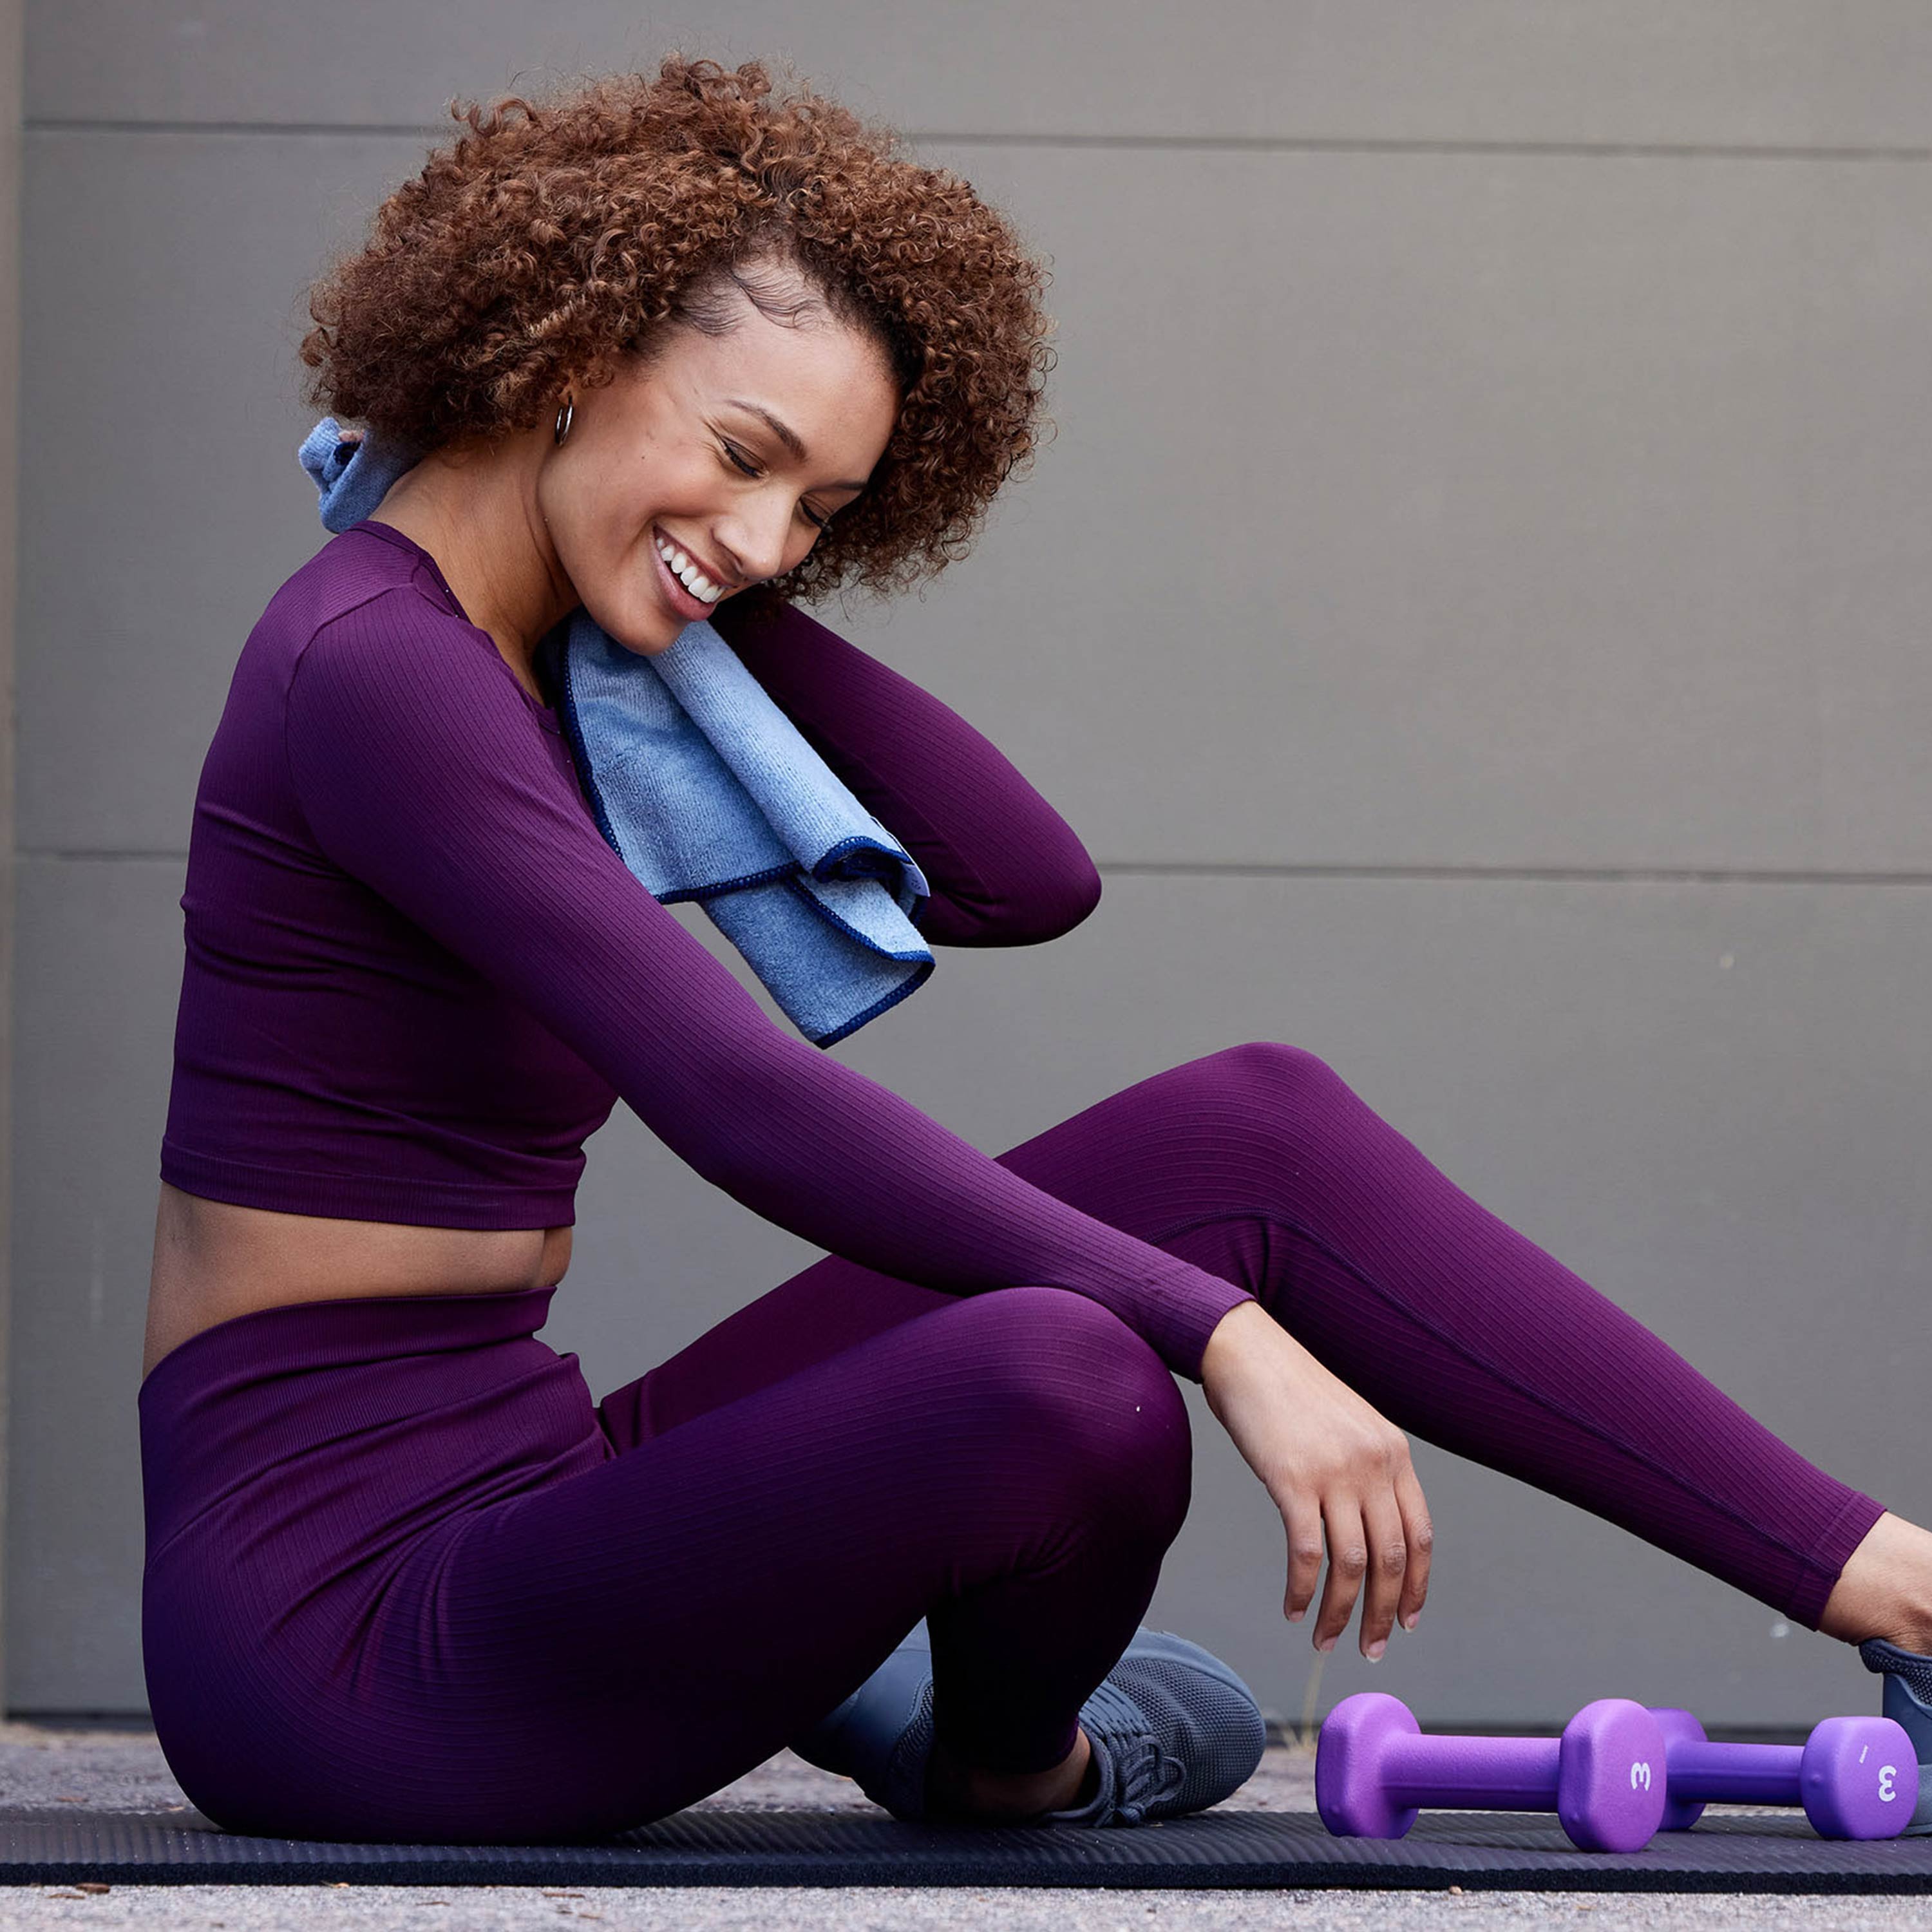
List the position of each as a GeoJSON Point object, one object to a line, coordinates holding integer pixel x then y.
{"type": "Point", "coordinates": [113, 1770]}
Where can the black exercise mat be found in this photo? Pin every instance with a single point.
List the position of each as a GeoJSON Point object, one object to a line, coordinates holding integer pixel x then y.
{"type": "Point", "coordinates": [1479, 1851]}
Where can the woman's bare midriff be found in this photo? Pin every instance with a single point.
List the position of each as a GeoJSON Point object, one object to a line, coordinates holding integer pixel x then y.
{"type": "Point", "coordinates": [213, 1260]}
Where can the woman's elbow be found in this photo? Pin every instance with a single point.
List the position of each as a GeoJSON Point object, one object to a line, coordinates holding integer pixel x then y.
{"type": "Point", "coordinates": [1076, 894]}
{"type": "Point", "coordinates": [1024, 911]}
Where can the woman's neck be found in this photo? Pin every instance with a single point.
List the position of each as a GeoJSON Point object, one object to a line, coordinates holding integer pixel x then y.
{"type": "Point", "coordinates": [475, 511]}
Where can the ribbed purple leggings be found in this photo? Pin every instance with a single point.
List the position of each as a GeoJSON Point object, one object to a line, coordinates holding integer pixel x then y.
{"type": "Point", "coordinates": [405, 1581]}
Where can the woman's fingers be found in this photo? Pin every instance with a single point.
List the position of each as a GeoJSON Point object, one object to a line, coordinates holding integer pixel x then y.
{"type": "Point", "coordinates": [1301, 1517]}
{"type": "Point", "coordinates": [1388, 1567]}
{"type": "Point", "coordinates": [1378, 1547]}
{"type": "Point", "coordinates": [1340, 1475]}
{"type": "Point", "coordinates": [1419, 1533]}
{"type": "Point", "coordinates": [1348, 1564]}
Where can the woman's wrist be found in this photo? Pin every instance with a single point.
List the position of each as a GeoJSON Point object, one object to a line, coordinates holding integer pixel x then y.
{"type": "Point", "coordinates": [1231, 1337]}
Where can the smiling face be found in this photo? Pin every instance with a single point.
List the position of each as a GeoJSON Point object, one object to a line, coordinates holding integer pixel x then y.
{"type": "Point", "coordinates": [691, 450]}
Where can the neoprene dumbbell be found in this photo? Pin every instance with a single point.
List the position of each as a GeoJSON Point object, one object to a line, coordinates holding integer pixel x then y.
{"type": "Point", "coordinates": [1856, 1777]}
{"type": "Point", "coordinates": [1604, 1778]}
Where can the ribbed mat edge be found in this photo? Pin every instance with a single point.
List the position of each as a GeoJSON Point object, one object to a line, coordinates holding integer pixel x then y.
{"type": "Point", "coordinates": [1215, 1851]}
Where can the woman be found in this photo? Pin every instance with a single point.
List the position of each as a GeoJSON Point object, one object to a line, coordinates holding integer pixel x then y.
{"type": "Point", "coordinates": [677, 349]}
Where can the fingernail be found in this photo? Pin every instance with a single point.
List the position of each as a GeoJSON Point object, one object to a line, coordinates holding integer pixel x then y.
{"type": "Point", "coordinates": [1327, 1644]}
{"type": "Point", "coordinates": [1295, 1616]}
{"type": "Point", "coordinates": [1374, 1652]}
{"type": "Point", "coordinates": [1410, 1622]}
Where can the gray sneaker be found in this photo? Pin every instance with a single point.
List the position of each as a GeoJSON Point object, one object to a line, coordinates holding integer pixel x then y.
{"type": "Point", "coordinates": [1173, 1729]}
{"type": "Point", "coordinates": [1908, 1701]}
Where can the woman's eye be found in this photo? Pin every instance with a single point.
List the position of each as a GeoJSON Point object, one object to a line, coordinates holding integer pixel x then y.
{"type": "Point", "coordinates": [737, 457]}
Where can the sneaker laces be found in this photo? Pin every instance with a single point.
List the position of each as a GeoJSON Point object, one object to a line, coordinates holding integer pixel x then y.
{"type": "Point", "coordinates": [1144, 1770]}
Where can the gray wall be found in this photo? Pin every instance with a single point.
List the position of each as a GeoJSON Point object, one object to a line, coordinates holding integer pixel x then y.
{"type": "Point", "coordinates": [11, 41]}
{"type": "Point", "coordinates": [1472, 610]}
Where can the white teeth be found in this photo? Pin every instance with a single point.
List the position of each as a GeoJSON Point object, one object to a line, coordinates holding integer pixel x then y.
{"type": "Point", "coordinates": [687, 573]}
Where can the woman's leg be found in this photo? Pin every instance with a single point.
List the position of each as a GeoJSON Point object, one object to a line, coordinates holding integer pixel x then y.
{"type": "Point", "coordinates": [1259, 1163]}
{"type": "Point", "coordinates": [609, 1647]}
{"type": "Point", "coordinates": [1885, 1590]}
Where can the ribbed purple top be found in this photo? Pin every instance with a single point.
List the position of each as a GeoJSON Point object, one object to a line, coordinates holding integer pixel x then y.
{"type": "Point", "coordinates": [417, 978]}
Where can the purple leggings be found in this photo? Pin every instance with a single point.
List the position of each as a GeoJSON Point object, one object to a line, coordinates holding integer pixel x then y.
{"type": "Point", "coordinates": [405, 1581]}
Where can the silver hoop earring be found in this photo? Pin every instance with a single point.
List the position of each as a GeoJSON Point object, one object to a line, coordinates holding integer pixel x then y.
{"type": "Point", "coordinates": [565, 416]}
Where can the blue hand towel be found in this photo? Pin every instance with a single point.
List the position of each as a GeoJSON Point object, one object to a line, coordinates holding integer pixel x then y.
{"type": "Point", "coordinates": [707, 791]}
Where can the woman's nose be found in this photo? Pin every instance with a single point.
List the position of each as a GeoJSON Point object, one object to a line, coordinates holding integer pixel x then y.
{"type": "Point", "coordinates": [757, 536]}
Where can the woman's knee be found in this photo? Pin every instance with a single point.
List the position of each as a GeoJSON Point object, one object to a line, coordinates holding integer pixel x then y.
{"type": "Point", "coordinates": [1094, 1394]}
{"type": "Point", "coordinates": [1272, 1065]}
{"type": "Point", "coordinates": [1269, 1099]}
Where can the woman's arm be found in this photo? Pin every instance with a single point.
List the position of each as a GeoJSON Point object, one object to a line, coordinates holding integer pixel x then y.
{"type": "Point", "coordinates": [421, 771]}
{"type": "Point", "coordinates": [1006, 869]}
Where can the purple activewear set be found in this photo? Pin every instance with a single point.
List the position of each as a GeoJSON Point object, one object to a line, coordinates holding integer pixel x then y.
{"type": "Point", "coordinates": [407, 1581]}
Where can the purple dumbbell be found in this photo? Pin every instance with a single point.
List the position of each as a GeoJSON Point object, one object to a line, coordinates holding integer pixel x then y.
{"type": "Point", "coordinates": [1856, 1777]}
{"type": "Point", "coordinates": [1604, 1778]}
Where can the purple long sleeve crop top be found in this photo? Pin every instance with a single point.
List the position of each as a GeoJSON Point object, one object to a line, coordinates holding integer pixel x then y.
{"type": "Point", "coordinates": [417, 978]}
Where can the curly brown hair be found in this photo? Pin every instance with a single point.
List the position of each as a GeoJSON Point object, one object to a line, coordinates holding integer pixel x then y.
{"type": "Point", "coordinates": [560, 236]}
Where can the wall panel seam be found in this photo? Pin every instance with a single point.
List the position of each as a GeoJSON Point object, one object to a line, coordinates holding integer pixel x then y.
{"type": "Point", "coordinates": [1218, 869]}
{"type": "Point", "coordinates": [955, 137]}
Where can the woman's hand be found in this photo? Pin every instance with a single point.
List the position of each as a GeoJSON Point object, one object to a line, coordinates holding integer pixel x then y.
{"type": "Point", "coordinates": [1329, 1461]}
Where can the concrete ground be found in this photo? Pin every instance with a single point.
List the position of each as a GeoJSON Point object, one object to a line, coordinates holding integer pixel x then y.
{"type": "Point", "coordinates": [124, 1770]}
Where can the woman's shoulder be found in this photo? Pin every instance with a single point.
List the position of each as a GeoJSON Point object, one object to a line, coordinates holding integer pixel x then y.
{"type": "Point", "coordinates": [375, 607]}
{"type": "Point", "coordinates": [365, 564]}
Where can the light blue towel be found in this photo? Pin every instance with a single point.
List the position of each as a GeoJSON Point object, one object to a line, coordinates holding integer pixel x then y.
{"type": "Point", "coordinates": [707, 791]}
